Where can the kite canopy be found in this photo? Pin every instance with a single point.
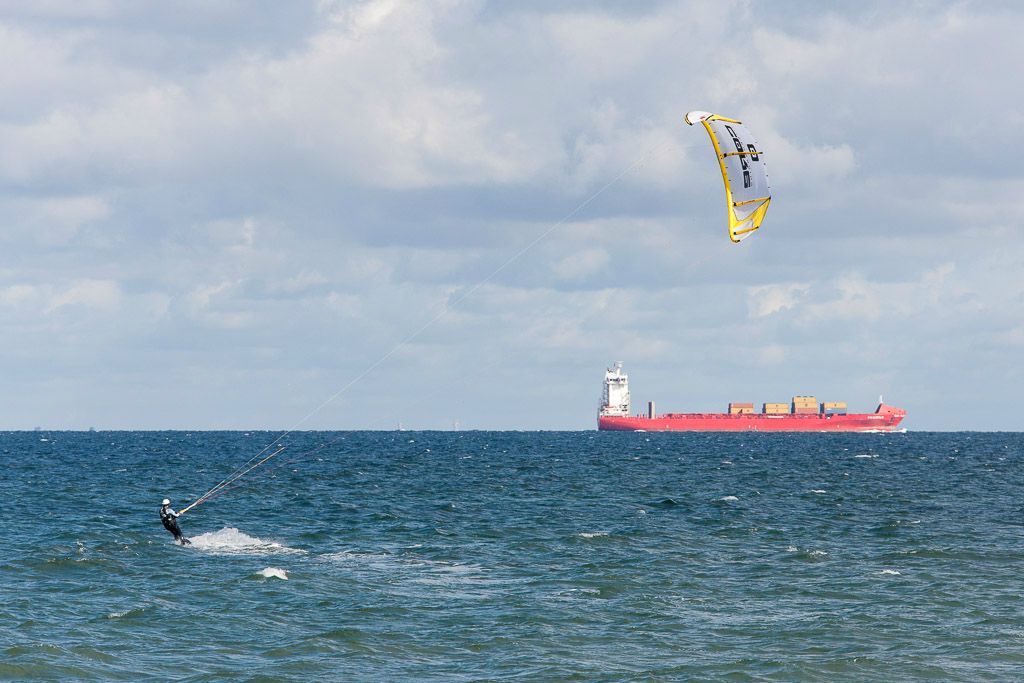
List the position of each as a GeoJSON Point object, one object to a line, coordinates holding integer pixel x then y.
{"type": "Point", "coordinates": [743, 172]}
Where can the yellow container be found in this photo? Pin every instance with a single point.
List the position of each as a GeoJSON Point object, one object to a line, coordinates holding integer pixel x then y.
{"type": "Point", "coordinates": [775, 408]}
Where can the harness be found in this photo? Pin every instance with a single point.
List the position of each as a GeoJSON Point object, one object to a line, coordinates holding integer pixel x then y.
{"type": "Point", "coordinates": [167, 518]}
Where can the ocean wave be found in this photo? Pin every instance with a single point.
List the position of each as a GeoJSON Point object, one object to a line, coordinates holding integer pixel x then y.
{"type": "Point", "coordinates": [231, 541]}
{"type": "Point", "coordinates": [664, 503]}
{"type": "Point", "coordinates": [128, 613]}
{"type": "Point", "coordinates": [416, 569]}
{"type": "Point", "coordinates": [273, 573]}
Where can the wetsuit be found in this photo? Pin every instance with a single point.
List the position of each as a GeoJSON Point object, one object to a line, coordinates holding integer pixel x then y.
{"type": "Point", "coordinates": [170, 520]}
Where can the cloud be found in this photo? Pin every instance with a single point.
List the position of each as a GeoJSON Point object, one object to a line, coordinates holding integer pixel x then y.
{"type": "Point", "coordinates": [221, 305]}
{"type": "Point", "coordinates": [364, 100]}
{"type": "Point", "coordinates": [865, 301]}
{"type": "Point", "coordinates": [52, 221]}
{"type": "Point", "coordinates": [104, 295]}
{"type": "Point", "coordinates": [773, 354]}
{"type": "Point", "coordinates": [764, 300]}
{"type": "Point", "coordinates": [16, 295]}
{"type": "Point", "coordinates": [584, 263]}
{"type": "Point", "coordinates": [223, 201]}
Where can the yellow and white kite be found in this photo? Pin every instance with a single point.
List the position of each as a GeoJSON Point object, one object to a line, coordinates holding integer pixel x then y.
{"type": "Point", "coordinates": [743, 172]}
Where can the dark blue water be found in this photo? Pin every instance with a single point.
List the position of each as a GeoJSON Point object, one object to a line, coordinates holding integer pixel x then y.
{"type": "Point", "coordinates": [514, 556]}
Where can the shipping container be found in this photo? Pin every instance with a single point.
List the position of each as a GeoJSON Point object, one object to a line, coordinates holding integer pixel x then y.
{"type": "Point", "coordinates": [741, 408]}
{"type": "Point", "coordinates": [833, 404]}
{"type": "Point", "coordinates": [804, 404]}
{"type": "Point", "coordinates": [775, 408]}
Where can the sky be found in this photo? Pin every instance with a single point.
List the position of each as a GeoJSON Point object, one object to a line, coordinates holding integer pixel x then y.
{"type": "Point", "coordinates": [218, 214]}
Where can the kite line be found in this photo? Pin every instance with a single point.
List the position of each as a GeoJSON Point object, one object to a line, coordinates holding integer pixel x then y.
{"type": "Point", "coordinates": [275, 449]}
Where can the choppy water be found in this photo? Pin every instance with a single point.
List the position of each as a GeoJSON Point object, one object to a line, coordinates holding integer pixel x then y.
{"type": "Point", "coordinates": [515, 556]}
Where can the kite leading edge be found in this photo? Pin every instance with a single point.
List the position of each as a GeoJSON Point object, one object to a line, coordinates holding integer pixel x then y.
{"type": "Point", "coordinates": [743, 172]}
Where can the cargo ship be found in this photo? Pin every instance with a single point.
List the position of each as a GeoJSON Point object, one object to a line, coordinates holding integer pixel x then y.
{"type": "Point", "coordinates": [800, 414]}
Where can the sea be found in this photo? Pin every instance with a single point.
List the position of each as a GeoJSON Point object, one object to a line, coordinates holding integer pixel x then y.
{"type": "Point", "coordinates": [513, 556]}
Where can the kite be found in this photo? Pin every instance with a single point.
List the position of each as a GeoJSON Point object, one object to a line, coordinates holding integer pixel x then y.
{"type": "Point", "coordinates": [743, 172]}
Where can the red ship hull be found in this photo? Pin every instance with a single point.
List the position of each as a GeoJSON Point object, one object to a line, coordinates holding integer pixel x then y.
{"type": "Point", "coordinates": [885, 419]}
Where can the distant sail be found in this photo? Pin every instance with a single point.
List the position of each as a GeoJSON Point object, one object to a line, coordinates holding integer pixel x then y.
{"type": "Point", "coordinates": [743, 172]}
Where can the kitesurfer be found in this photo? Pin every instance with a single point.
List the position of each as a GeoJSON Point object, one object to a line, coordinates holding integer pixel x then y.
{"type": "Point", "coordinates": [170, 520]}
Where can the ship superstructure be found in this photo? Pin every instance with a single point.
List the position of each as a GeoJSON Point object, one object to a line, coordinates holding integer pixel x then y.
{"type": "Point", "coordinates": [615, 400]}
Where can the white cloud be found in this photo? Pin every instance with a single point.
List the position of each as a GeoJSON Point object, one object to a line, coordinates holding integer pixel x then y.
{"type": "Point", "coordinates": [348, 305]}
{"type": "Point", "coordinates": [764, 300]}
{"type": "Point", "coordinates": [365, 101]}
{"type": "Point", "coordinates": [865, 301]}
{"type": "Point", "coordinates": [16, 295]}
{"type": "Point", "coordinates": [772, 354]}
{"type": "Point", "coordinates": [221, 305]}
{"type": "Point", "coordinates": [1011, 337]}
{"type": "Point", "coordinates": [238, 233]}
{"type": "Point", "coordinates": [584, 263]}
{"type": "Point", "coordinates": [305, 280]}
{"type": "Point", "coordinates": [52, 221]}
{"type": "Point", "coordinates": [99, 294]}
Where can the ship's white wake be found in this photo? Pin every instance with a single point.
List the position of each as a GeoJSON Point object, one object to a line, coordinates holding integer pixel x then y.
{"type": "Point", "coordinates": [231, 541]}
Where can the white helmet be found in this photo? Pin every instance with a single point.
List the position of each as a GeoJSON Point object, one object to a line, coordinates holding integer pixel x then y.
{"type": "Point", "coordinates": [167, 501]}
